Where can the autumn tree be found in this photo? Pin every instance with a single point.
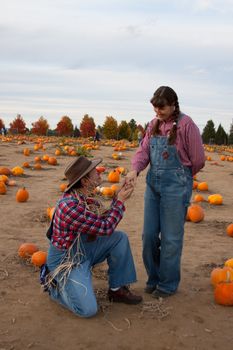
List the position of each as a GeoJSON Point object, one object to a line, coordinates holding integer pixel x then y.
{"type": "Point", "coordinates": [124, 130]}
{"type": "Point", "coordinates": [87, 126]}
{"type": "Point", "coordinates": [110, 128]}
{"type": "Point", "coordinates": [40, 127]}
{"type": "Point", "coordinates": [65, 127]}
{"type": "Point", "coordinates": [18, 125]}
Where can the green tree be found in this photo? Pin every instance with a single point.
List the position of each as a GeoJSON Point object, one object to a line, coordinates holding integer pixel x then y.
{"type": "Point", "coordinates": [76, 132]}
{"type": "Point", "coordinates": [87, 126]}
{"type": "Point", "coordinates": [124, 130]}
{"type": "Point", "coordinates": [208, 135]}
{"type": "Point", "coordinates": [133, 127]}
{"type": "Point", "coordinates": [221, 136]}
{"type": "Point", "coordinates": [110, 128]}
{"type": "Point", "coordinates": [230, 139]}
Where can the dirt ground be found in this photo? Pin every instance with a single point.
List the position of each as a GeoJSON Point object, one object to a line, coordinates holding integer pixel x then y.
{"type": "Point", "coordinates": [188, 320]}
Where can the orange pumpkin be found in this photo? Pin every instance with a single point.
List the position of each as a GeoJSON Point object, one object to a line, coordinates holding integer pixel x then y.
{"type": "Point", "coordinates": [195, 184]}
{"type": "Point", "coordinates": [229, 263]}
{"type": "Point", "coordinates": [63, 186]}
{"type": "Point", "coordinates": [195, 213]}
{"type": "Point", "coordinates": [4, 178]}
{"type": "Point", "coordinates": [223, 293]}
{"type": "Point", "coordinates": [26, 165]}
{"type": "Point", "coordinates": [202, 186]}
{"type": "Point", "coordinates": [222, 158]}
{"type": "Point", "coordinates": [230, 230]}
{"type": "Point", "coordinates": [199, 198]}
{"type": "Point", "coordinates": [215, 199]}
{"type": "Point", "coordinates": [3, 188]}
{"type": "Point", "coordinates": [27, 249]}
{"type": "Point", "coordinates": [52, 161]}
{"type": "Point", "coordinates": [114, 176]}
{"type": "Point", "coordinates": [37, 166]}
{"type": "Point", "coordinates": [37, 159]}
{"type": "Point", "coordinates": [26, 152]}
{"type": "Point", "coordinates": [22, 195]}
{"type": "Point", "coordinates": [39, 258]}
{"type": "Point", "coordinates": [17, 171]}
{"type": "Point", "coordinates": [51, 212]}
{"type": "Point", "coordinates": [220, 275]}
{"type": "Point", "coordinates": [5, 171]}
{"type": "Point", "coordinates": [107, 192]}
{"type": "Point", "coordinates": [57, 152]}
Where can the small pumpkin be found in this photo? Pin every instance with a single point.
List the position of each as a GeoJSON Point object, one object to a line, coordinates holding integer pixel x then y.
{"type": "Point", "coordinates": [22, 195]}
{"type": "Point", "coordinates": [229, 263]}
{"type": "Point", "coordinates": [4, 178]}
{"type": "Point", "coordinates": [114, 176]}
{"type": "Point", "coordinates": [195, 213]}
{"type": "Point", "coordinates": [26, 165]}
{"type": "Point", "coordinates": [202, 186]}
{"type": "Point", "coordinates": [215, 199]}
{"type": "Point", "coordinates": [52, 161]}
{"type": "Point", "coordinates": [39, 258]}
{"type": "Point", "coordinates": [3, 188]}
{"type": "Point", "coordinates": [198, 198]}
{"type": "Point", "coordinates": [221, 274]}
{"type": "Point", "coordinates": [229, 230]}
{"type": "Point", "coordinates": [63, 187]}
{"type": "Point", "coordinates": [17, 171]}
{"type": "Point", "coordinates": [57, 152]}
{"type": "Point", "coordinates": [27, 249]}
{"type": "Point", "coordinates": [107, 192]}
{"type": "Point", "coordinates": [26, 152]}
{"type": "Point", "coordinates": [100, 169]}
{"type": "Point", "coordinates": [195, 184]}
{"type": "Point", "coordinates": [5, 171]}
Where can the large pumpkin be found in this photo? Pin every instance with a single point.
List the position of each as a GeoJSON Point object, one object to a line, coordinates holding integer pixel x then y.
{"type": "Point", "coordinates": [195, 213]}
{"type": "Point", "coordinates": [5, 171]}
{"type": "Point", "coordinates": [223, 293]}
{"type": "Point", "coordinates": [27, 249]}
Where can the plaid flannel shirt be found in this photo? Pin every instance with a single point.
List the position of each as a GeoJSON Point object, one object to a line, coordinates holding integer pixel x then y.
{"type": "Point", "coordinates": [73, 217]}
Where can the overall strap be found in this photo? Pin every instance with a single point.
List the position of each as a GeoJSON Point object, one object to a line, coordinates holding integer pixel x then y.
{"type": "Point", "coordinates": [50, 229]}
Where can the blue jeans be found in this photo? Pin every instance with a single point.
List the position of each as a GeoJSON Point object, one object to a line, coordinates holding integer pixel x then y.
{"type": "Point", "coordinates": [77, 294]}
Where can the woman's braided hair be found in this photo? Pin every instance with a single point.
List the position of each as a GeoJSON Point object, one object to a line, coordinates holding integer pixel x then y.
{"type": "Point", "coordinates": [166, 96]}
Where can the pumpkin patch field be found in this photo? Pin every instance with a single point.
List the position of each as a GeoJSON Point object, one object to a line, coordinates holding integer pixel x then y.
{"type": "Point", "coordinates": [198, 317]}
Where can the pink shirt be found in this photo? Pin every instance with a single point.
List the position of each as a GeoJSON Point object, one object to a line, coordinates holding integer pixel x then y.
{"type": "Point", "coordinates": [188, 144]}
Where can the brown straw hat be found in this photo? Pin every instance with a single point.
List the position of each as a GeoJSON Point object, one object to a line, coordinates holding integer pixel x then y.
{"type": "Point", "coordinates": [80, 167]}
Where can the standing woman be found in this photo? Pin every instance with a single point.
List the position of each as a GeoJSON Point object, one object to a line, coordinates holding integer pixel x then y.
{"type": "Point", "coordinates": [173, 147]}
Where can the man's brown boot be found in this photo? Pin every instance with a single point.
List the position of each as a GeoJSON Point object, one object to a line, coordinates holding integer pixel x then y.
{"type": "Point", "coordinates": [124, 295]}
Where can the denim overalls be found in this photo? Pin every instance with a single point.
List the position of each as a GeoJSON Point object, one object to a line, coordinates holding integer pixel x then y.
{"type": "Point", "coordinates": [167, 196]}
{"type": "Point", "coordinates": [77, 293]}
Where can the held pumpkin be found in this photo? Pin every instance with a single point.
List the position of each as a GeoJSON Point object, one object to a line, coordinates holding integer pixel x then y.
{"type": "Point", "coordinates": [22, 195]}
{"type": "Point", "coordinates": [26, 250]}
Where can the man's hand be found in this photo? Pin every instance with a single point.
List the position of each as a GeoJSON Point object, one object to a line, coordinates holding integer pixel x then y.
{"type": "Point", "coordinates": [125, 192]}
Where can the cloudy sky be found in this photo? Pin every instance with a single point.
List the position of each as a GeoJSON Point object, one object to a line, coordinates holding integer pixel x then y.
{"type": "Point", "coordinates": [107, 57]}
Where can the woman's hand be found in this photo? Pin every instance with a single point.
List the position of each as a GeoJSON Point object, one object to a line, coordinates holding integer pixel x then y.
{"type": "Point", "coordinates": [131, 178]}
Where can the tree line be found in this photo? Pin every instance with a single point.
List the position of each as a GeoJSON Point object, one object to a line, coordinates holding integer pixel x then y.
{"type": "Point", "coordinates": [110, 129]}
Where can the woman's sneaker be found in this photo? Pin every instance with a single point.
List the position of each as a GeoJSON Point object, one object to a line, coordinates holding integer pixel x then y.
{"type": "Point", "coordinates": [159, 294]}
{"type": "Point", "coordinates": [124, 295]}
{"type": "Point", "coordinates": [149, 289]}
